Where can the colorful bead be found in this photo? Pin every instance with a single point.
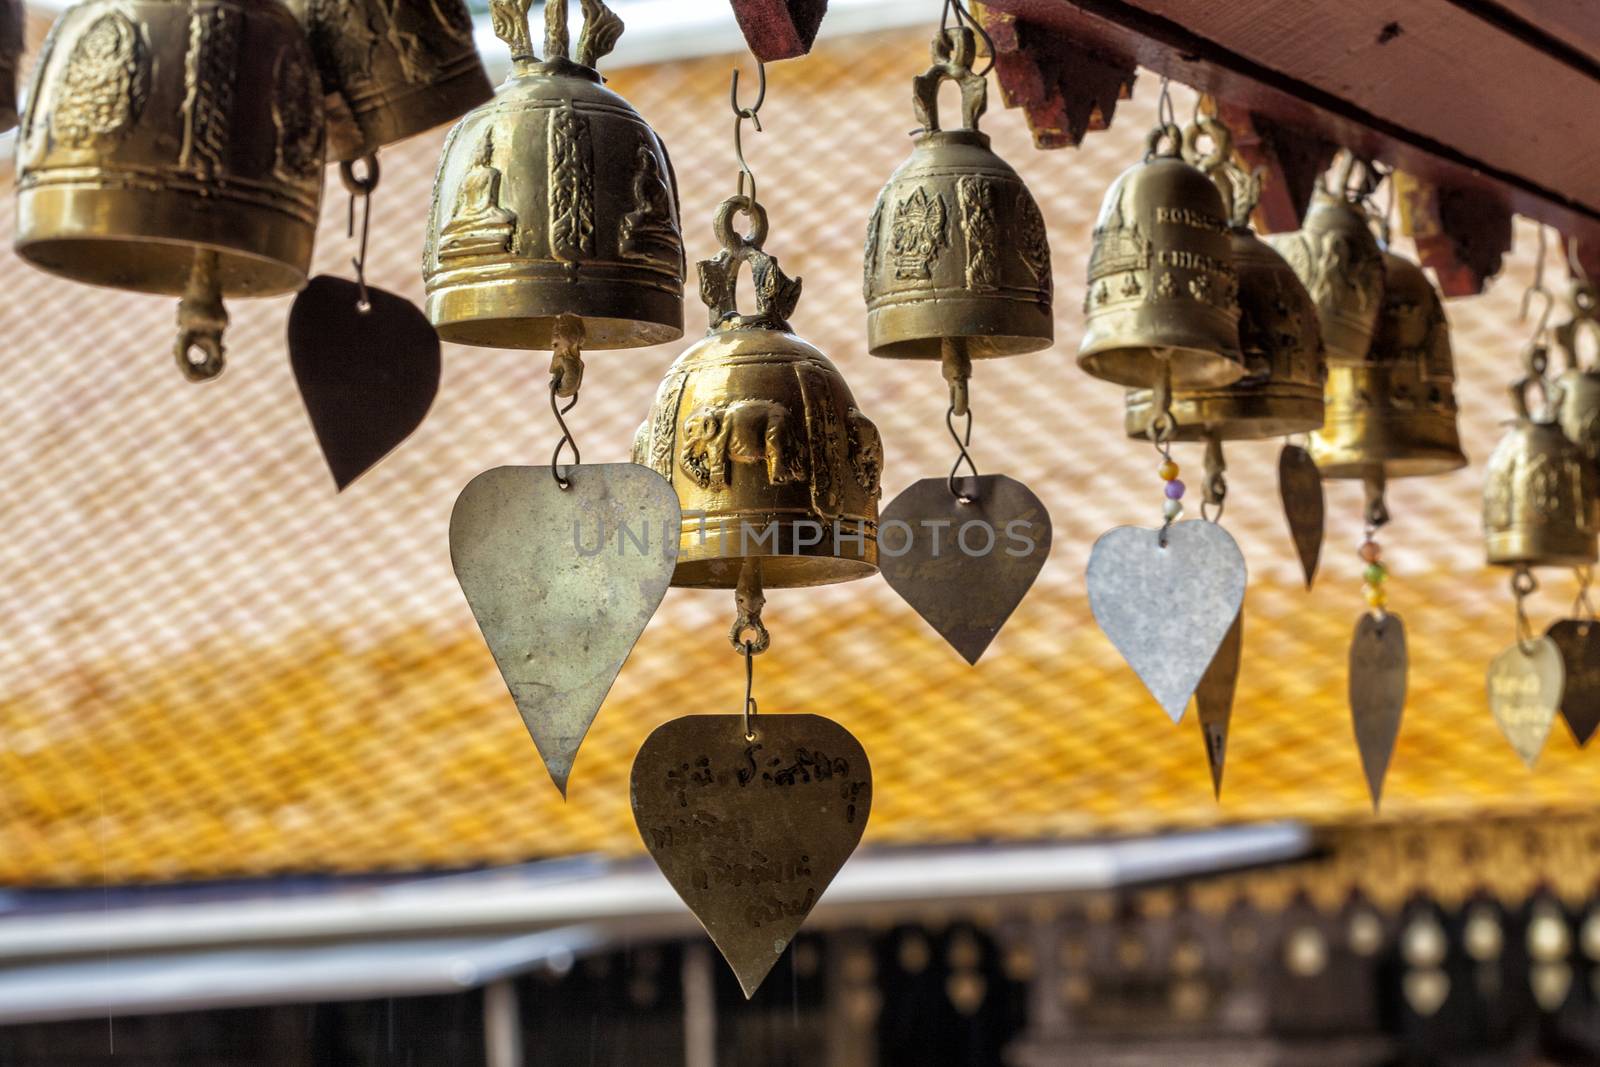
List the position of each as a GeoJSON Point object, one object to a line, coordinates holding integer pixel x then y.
{"type": "Point", "coordinates": [1377, 597]}
{"type": "Point", "coordinates": [1370, 552]}
{"type": "Point", "coordinates": [1375, 573]}
{"type": "Point", "coordinates": [1175, 490]}
{"type": "Point", "coordinates": [1172, 509]}
{"type": "Point", "coordinates": [1168, 471]}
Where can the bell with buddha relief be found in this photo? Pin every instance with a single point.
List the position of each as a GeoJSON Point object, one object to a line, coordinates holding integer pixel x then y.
{"type": "Point", "coordinates": [957, 263]}
{"type": "Point", "coordinates": [1163, 296]}
{"type": "Point", "coordinates": [1539, 491]}
{"type": "Point", "coordinates": [175, 149]}
{"type": "Point", "coordinates": [555, 210]}
{"type": "Point", "coordinates": [776, 469]}
{"type": "Point", "coordinates": [391, 68]}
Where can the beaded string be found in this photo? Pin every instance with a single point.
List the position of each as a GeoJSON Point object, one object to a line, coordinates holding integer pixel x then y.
{"type": "Point", "coordinates": [1374, 575]}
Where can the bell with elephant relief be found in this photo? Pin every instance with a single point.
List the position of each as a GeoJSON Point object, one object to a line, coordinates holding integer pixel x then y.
{"type": "Point", "coordinates": [391, 68]}
{"type": "Point", "coordinates": [555, 210]}
{"type": "Point", "coordinates": [1281, 392]}
{"type": "Point", "coordinates": [1539, 491]}
{"type": "Point", "coordinates": [773, 463]}
{"type": "Point", "coordinates": [1163, 296]}
{"type": "Point", "coordinates": [957, 263]}
{"type": "Point", "coordinates": [142, 164]}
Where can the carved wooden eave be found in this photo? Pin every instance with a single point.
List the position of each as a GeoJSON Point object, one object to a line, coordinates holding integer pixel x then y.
{"type": "Point", "coordinates": [1488, 106]}
{"type": "Point", "coordinates": [779, 29]}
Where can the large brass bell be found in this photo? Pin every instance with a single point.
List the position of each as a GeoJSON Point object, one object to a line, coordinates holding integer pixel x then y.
{"type": "Point", "coordinates": [555, 209]}
{"type": "Point", "coordinates": [1539, 494]}
{"type": "Point", "coordinates": [1281, 392]}
{"type": "Point", "coordinates": [1394, 412]}
{"type": "Point", "coordinates": [774, 465]}
{"type": "Point", "coordinates": [957, 263]}
{"type": "Point", "coordinates": [176, 149]}
{"type": "Point", "coordinates": [391, 68]}
{"type": "Point", "coordinates": [11, 42]}
{"type": "Point", "coordinates": [1163, 296]}
{"type": "Point", "coordinates": [1580, 385]}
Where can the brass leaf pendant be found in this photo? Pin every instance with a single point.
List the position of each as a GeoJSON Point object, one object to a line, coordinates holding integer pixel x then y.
{"type": "Point", "coordinates": [1300, 487]}
{"type": "Point", "coordinates": [562, 582]}
{"type": "Point", "coordinates": [1167, 607]}
{"type": "Point", "coordinates": [1213, 699]}
{"type": "Point", "coordinates": [750, 832]}
{"type": "Point", "coordinates": [964, 562]}
{"type": "Point", "coordinates": [1579, 642]}
{"type": "Point", "coordinates": [1377, 687]}
{"type": "Point", "coordinates": [1525, 683]}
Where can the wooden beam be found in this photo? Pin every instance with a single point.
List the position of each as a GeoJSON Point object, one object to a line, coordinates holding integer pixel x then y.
{"type": "Point", "coordinates": [779, 29]}
{"type": "Point", "coordinates": [1463, 234]}
{"type": "Point", "coordinates": [1064, 91]}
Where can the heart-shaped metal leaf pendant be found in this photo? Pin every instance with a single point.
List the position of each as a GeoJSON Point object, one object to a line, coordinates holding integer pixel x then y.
{"type": "Point", "coordinates": [750, 831]}
{"type": "Point", "coordinates": [1213, 699]}
{"type": "Point", "coordinates": [1377, 688]}
{"type": "Point", "coordinates": [1579, 642]}
{"type": "Point", "coordinates": [1525, 683]}
{"type": "Point", "coordinates": [1167, 607]}
{"type": "Point", "coordinates": [367, 378]}
{"type": "Point", "coordinates": [562, 582]}
{"type": "Point", "coordinates": [1300, 486]}
{"type": "Point", "coordinates": [964, 562]}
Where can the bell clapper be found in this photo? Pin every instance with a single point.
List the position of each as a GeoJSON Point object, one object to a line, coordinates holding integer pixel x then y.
{"type": "Point", "coordinates": [360, 188]}
{"type": "Point", "coordinates": [201, 320]}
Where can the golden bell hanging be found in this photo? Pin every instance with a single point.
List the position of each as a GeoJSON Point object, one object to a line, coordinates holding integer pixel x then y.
{"type": "Point", "coordinates": [1281, 392]}
{"type": "Point", "coordinates": [11, 42]}
{"type": "Point", "coordinates": [176, 149]}
{"type": "Point", "coordinates": [1395, 410]}
{"type": "Point", "coordinates": [761, 438]}
{"type": "Point", "coordinates": [1580, 386]}
{"type": "Point", "coordinates": [554, 199]}
{"type": "Point", "coordinates": [391, 68]}
{"type": "Point", "coordinates": [956, 249]}
{"type": "Point", "coordinates": [1539, 495]}
{"type": "Point", "coordinates": [1163, 290]}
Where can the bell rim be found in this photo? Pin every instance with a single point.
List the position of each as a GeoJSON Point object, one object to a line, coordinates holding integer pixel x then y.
{"type": "Point", "coordinates": [1306, 414]}
{"type": "Point", "coordinates": [1508, 556]}
{"type": "Point", "coordinates": [1418, 463]}
{"type": "Point", "coordinates": [1196, 368]}
{"type": "Point", "coordinates": [286, 277]}
{"type": "Point", "coordinates": [722, 572]}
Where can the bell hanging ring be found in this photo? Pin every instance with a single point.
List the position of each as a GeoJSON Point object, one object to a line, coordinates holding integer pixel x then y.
{"type": "Point", "coordinates": [1580, 385]}
{"type": "Point", "coordinates": [391, 68]}
{"type": "Point", "coordinates": [140, 167]}
{"type": "Point", "coordinates": [1163, 293]}
{"type": "Point", "coordinates": [555, 203]}
{"type": "Point", "coordinates": [1396, 409]}
{"type": "Point", "coordinates": [1539, 493]}
{"type": "Point", "coordinates": [1279, 335]}
{"type": "Point", "coordinates": [774, 465]}
{"type": "Point", "coordinates": [956, 249]}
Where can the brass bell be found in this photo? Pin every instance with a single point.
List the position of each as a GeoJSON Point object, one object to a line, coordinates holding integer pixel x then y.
{"type": "Point", "coordinates": [1163, 292]}
{"type": "Point", "coordinates": [1580, 386]}
{"type": "Point", "coordinates": [176, 149]}
{"type": "Point", "coordinates": [957, 263]}
{"type": "Point", "coordinates": [391, 68]}
{"type": "Point", "coordinates": [11, 42]}
{"type": "Point", "coordinates": [1281, 392]}
{"type": "Point", "coordinates": [1539, 494]}
{"type": "Point", "coordinates": [774, 464]}
{"type": "Point", "coordinates": [1396, 409]}
{"type": "Point", "coordinates": [555, 201]}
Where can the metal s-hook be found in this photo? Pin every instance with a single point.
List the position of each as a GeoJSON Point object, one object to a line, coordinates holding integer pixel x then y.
{"type": "Point", "coordinates": [360, 188]}
{"type": "Point", "coordinates": [1166, 114]}
{"type": "Point", "coordinates": [567, 440]}
{"type": "Point", "coordinates": [740, 114]}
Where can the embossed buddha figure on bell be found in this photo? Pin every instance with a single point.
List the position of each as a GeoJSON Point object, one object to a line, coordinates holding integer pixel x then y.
{"type": "Point", "coordinates": [1279, 334]}
{"type": "Point", "coordinates": [957, 261]}
{"type": "Point", "coordinates": [555, 201]}
{"type": "Point", "coordinates": [1539, 492]}
{"type": "Point", "coordinates": [175, 149]}
{"type": "Point", "coordinates": [761, 437]}
{"type": "Point", "coordinates": [1163, 293]}
{"type": "Point", "coordinates": [391, 68]}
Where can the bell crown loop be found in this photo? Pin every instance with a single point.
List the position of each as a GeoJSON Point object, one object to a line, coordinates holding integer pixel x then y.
{"type": "Point", "coordinates": [954, 50]}
{"type": "Point", "coordinates": [601, 29]}
{"type": "Point", "coordinates": [1550, 393]}
{"type": "Point", "coordinates": [776, 293]}
{"type": "Point", "coordinates": [1584, 302]}
{"type": "Point", "coordinates": [1168, 133]}
{"type": "Point", "coordinates": [1240, 188]}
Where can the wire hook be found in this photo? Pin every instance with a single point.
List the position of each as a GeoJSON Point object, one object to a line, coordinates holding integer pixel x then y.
{"type": "Point", "coordinates": [740, 114]}
{"type": "Point", "coordinates": [962, 440]}
{"type": "Point", "coordinates": [362, 188]}
{"type": "Point", "coordinates": [566, 438]}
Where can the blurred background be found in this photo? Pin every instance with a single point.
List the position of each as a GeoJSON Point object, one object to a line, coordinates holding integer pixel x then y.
{"type": "Point", "coordinates": [264, 798]}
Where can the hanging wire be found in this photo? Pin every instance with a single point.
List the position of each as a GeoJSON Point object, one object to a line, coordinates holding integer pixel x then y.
{"type": "Point", "coordinates": [962, 440]}
{"type": "Point", "coordinates": [1535, 356]}
{"type": "Point", "coordinates": [1574, 264]}
{"type": "Point", "coordinates": [753, 114]}
{"type": "Point", "coordinates": [360, 188]}
{"type": "Point", "coordinates": [750, 709]}
{"type": "Point", "coordinates": [1582, 608]}
{"type": "Point", "coordinates": [1523, 584]}
{"type": "Point", "coordinates": [567, 440]}
{"type": "Point", "coordinates": [967, 19]}
{"type": "Point", "coordinates": [1166, 114]}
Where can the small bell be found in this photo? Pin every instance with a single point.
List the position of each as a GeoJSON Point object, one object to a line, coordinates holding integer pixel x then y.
{"type": "Point", "coordinates": [1281, 392]}
{"type": "Point", "coordinates": [1337, 257]}
{"type": "Point", "coordinates": [1396, 409]}
{"type": "Point", "coordinates": [1163, 289]}
{"type": "Point", "coordinates": [957, 263]}
{"type": "Point", "coordinates": [11, 44]}
{"type": "Point", "coordinates": [1580, 386]}
{"type": "Point", "coordinates": [175, 149]}
{"type": "Point", "coordinates": [773, 463]}
{"type": "Point", "coordinates": [391, 68]}
{"type": "Point", "coordinates": [1539, 493]}
{"type": "Point", "coordinates": [555, 209]}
